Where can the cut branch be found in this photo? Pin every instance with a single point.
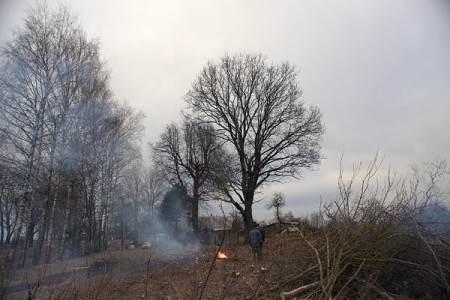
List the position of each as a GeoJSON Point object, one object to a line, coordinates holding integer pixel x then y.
{"type": "Point", "coordinates": [299, 290]}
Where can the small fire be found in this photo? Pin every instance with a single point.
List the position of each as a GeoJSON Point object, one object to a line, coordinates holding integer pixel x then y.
{"type": "Point", "coordinates": [221, 255]}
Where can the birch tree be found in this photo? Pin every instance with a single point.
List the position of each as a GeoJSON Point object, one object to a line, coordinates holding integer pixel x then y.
{"type": "Point", "coordinates": [28, 78]}
{"type": "Point", "coordinates": [62, 131]}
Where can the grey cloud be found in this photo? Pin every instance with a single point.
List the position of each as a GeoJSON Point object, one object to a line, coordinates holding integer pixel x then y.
{"type": "Point", "coordinates": [378, 70]}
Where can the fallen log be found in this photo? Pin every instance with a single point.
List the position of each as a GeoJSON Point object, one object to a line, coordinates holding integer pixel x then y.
{"type": "Point", "coordinates": [304, 288]}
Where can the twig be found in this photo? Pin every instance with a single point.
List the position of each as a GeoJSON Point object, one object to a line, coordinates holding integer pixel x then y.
{"type": "Point", "coordinates": [292, 278]}
{"type": "Point", "coordinates": [377, 289]}
{"type": "Point", "coordinates": [147, 274]}
{"type": "Point", "coordinates": [215, 256]}
{"type": "Point", "coordinates": [32, 290]}
{"type": "Point", "coordinates": [211, 266]}
{"type": "Point", "coordinates": [317, 255]}
{"type": "Point", "coordinates": [350, 279]}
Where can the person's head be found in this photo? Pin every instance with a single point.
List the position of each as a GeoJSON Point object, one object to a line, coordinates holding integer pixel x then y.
{"type": "Point", "coordinates": [255, 225]}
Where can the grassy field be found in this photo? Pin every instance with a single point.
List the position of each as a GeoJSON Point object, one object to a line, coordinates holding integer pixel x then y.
{"type": "Point", "coordinates": [175, 272]}
{"type": "Point", "coordinates": [324, 263]}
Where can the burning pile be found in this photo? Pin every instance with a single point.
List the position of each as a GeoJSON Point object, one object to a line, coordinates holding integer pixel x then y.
{"type": "Point", "coordinates": [204, 258]}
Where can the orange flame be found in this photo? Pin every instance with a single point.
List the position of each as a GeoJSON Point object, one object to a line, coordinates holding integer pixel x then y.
{"type": "Point", "coordinates": [220, 254]}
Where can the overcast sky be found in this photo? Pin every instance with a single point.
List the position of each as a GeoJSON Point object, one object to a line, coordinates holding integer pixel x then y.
{"type": "Point", "coordinates": [379, 70]}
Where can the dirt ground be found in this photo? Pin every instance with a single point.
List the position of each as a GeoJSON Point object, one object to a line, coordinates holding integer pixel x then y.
{"type": "Point", "coordinates": [173, 272]}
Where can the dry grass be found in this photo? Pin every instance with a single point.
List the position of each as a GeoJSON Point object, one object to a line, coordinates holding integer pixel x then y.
{"type": "Point", "coordinates": [175, 273]}
{"type": "Point", "coordinates": [181, 272]}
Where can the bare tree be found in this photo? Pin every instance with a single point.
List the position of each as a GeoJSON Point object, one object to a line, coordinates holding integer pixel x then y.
{"type": "Point", "coordinates": [376, 236]}
{"type": "Point", "coordinates": [153, 189]}
{"type": "Point", "coordinates": [61, 131]}
{"type": "Point", "coordinates": [258, 111]}
{"type": "Point", "coordinates": [188, 157]}
{"type": "Point", "coordinates": [80, 75]}
{"type": "Point", "coordinates": [277, 203]}
{"type": "Point", "coordinates": [110, 148]}
{"type": "Point", "coordinates": [9, 193]}
{"type": "Point", "coordinates": [134, 185]}
{"type": "Point", "coordinates": [29, 78]}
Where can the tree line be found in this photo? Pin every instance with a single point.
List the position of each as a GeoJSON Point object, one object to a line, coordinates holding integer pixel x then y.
{"type": "Point", "coordinates": [71, 155]}
{"type": "Point", "coordinates": [65, 142]}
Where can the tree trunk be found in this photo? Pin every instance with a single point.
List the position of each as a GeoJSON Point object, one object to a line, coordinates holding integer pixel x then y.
{"type": "Point", "coordinates": [91, 221]}
{"type": "Point", "coordinates": [2, 224]}
{"type": "Point", "coordinates": [51, 223]}
{"type": "Point", "coordinates": [9, 233]}
{"type": "Point", "coordinates": [31, 226]}
{"type": "Point", "coordinates": [43, 225]}
{"type": "Point", "coordinates": [26, 241]}
{"type": "Point", "coordinates": [248, 212]}
{"type": "Point", "coordinates": [24, 215]}
{"type": "Point", "coordinates": [194, 213]}
{"type": "Point", "coordinates": [11, 255]}
{"type": "Point", "coordinates": [65, 232]}
{"type": "Point", "coordinates": [122, 231]}
{"type": "Point", "coordinates": [135, 225]}
{"type": "Point", "coordinates": [10, 219]}
{"type": "Point", "coordinates": [104, 231]}
{"type": "Point", "coordinates": [194, 206]}
{"type": "Point", "coordinates": [76, 240]}
{"type": "Point", "coordinates": [44, 218]}
{"type": "Point", "coordinates": [76, 233]}
{"type": "Point", "coordinates": [278, 212]}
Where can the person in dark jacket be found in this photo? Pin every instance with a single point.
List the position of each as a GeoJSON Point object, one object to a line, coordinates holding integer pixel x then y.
{"type": "Point", "coordinates": [256, 239]}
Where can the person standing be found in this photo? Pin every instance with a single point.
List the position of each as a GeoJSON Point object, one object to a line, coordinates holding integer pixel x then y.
{"type": "Point", "coordinates": [256, 239]}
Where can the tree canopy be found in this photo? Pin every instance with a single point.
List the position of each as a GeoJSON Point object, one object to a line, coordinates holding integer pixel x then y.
{"type": "Point", "coordinates": [62, 133]}
{"type": "Point", "coordinates": [188, 156]}
{"type": "Point", "coordinates": [257, 109]}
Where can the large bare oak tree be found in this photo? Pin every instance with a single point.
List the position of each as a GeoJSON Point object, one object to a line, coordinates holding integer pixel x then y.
{"type": "Point", "coordinates": [257, 108]}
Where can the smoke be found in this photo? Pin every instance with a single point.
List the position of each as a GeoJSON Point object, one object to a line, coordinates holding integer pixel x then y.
{"type": "Point", "coordinates": [170, 228]}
